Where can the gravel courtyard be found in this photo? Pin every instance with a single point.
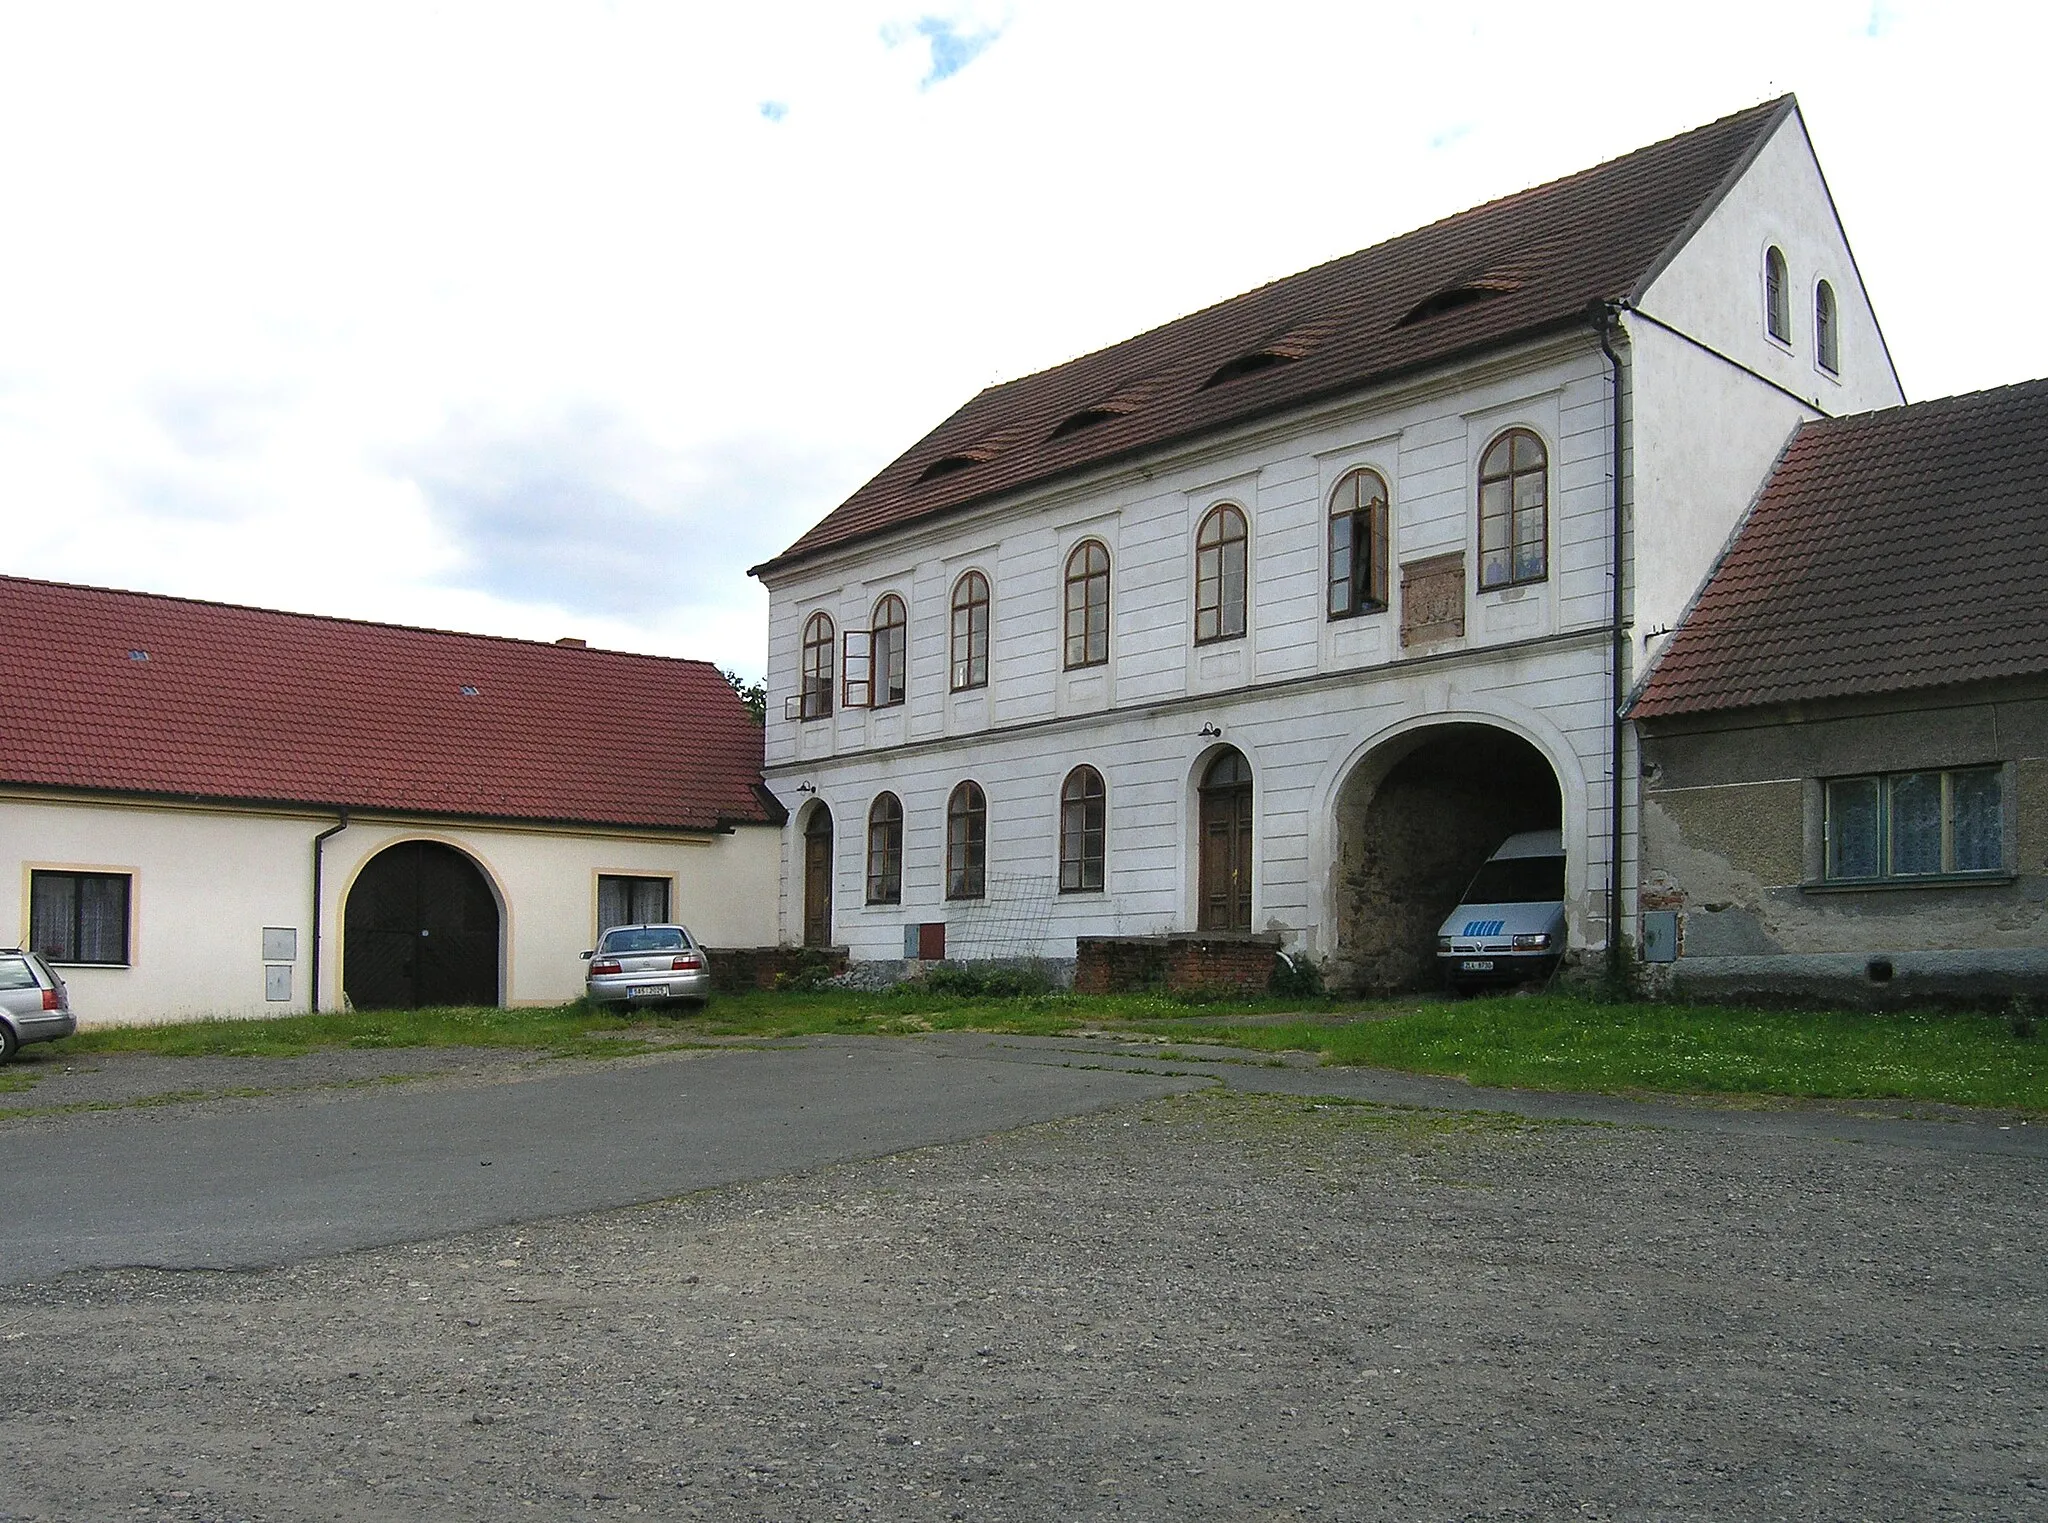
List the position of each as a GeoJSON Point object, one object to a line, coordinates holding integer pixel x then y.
{"type": "Point", "coordinates": [1216, 1305]}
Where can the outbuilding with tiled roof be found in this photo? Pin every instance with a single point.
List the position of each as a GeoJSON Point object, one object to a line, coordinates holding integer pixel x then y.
{"type": "Point", "coordinates": [176, 776]}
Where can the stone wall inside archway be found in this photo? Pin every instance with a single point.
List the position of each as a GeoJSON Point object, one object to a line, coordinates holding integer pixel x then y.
{"type": "Point", "coordinates": [1414, 822]}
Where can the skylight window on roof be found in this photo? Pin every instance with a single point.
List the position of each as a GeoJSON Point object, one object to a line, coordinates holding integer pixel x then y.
{"type": "Point", "coordinates": [468, 691]}
{"type": "Point", "coordinates": [138, 655]}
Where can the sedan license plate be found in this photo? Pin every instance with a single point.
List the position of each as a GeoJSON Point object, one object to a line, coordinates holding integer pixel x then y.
{"type": "Point", "coordinates": [656, 991]}
{"type": "Point", "coordinates": [1476, 965]}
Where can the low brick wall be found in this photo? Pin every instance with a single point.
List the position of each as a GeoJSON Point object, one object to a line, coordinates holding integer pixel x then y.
{"type": "Point", "coordinates": [734, 969]}
{"type": "Point", "coordinates": [1175, 962]}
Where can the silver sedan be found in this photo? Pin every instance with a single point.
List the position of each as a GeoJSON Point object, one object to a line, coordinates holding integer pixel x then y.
{"type": "Point", "coordinates": [635, 964]}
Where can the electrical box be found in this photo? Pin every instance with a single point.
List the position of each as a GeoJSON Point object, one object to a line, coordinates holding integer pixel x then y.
{"type": "Point", "coordinates": [926, 942]}
{"type": "Point", "coordinates": [1660, 935]}
{"type": "Point", "coordinates": [277, 983]}
{"type": "Point", "coordinates": [280, 943]}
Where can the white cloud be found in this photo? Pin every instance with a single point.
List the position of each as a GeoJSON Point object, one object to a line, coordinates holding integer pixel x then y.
{"type": "Point", "coordinates": [357, 309]}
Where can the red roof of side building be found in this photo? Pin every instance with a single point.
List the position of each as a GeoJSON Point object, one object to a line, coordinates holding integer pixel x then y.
{"type": "Point", "coordinates": [1510, 270]}
{"type": "Point", "coordinates": [1890, 550]}
{"type": "Point", "coordinates": [131, 693]}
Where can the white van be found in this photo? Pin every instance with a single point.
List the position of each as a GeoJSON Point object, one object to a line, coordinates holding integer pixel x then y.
{"type": "Point", "coordinates": [1509, 927]}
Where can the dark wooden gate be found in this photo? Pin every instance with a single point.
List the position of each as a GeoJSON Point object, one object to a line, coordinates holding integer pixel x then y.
{"type": "Point", "coordinates": [421, 928]}
{"type": "Point", "coordinates": [1225, 887]}
{"type": "Point", "coordinates": [818, 878]}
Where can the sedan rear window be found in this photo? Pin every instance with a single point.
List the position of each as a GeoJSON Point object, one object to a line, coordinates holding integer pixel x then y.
{"type": "Point", "coordinates": [664, 938]}
{"type": "Point", "coordinates": [15, 973]}
{"type": "Point", "coordinates": [1518, 880]}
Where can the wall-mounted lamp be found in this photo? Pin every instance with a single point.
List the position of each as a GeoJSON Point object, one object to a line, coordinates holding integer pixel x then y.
{"type": "Point", "coordinates": [806, 787]}
{"type": "Point", "coordinates": [1209, 732]}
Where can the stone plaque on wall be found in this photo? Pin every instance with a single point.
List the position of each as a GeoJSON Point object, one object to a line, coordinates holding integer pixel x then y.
{"type": "Point", "coordinates": [1433, 599]}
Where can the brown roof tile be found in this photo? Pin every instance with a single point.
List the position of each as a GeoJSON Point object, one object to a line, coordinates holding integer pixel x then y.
{"type": "Point", "coordinates": [1891, 550]}
{"type": "Point", "coordinates": [247, 704]}
{"type": "Point", "coordinates": [1504, 271]}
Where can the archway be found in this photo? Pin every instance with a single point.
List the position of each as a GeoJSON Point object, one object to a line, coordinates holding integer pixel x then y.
{"type": "Point", "coordinates": [421, 928]}
{"type": "Point", "coordinates": [818, 877]}
{"type": "Point", "coordinates": [1415, 820]}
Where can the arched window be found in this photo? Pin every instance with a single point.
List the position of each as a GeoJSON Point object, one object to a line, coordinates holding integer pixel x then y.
{"type": "Point", "coordinates": [1514, 510]}
{"type": "Point", "coordinates": [966, 843]}
{"type": "Point", "coordinates": [1777, 296]}
{"type": "Point", "coordinates": [885, 850]}
{"type": "Point", "coordinates": [1087, 605]}
{"type": "Point", "coordinates": [892, 650]}
{"type": "Point", "coordinates": [1827, 336]}
{"type": "Point", "coordinates": [970, 632]}
{"type": "Point", "coordinates": [817, 689]}
{"type": "Point", "coordinates": [1220, 575]}
{"type": "Point", "coordinates": [1358, 544]}
{"type": "Point", "coordinates": [1084, 821]}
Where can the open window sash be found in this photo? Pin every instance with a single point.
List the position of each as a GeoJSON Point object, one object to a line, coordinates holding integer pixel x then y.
{"type": "Point", "coordinates": [857, 669]}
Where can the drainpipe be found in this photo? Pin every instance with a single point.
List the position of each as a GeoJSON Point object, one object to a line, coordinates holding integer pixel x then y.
{"type": "Point", "coordinates": [313, 957]}
{"type": "Point", "coordinates": [1604, 316]}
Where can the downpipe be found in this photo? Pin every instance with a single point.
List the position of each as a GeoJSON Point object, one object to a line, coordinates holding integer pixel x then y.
{"type": "Point", "coordinates": [1604, 316]}
{"type": "Point", "coordinates": [313, 942]}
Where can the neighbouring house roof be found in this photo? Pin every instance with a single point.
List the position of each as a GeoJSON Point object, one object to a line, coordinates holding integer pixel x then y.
{"type": "Point", "coordinates": [1890, 550]}
{"type": "Point", "coordinates": [126, 692]}
{"type": "Point", "coordinates": [1508, 270]}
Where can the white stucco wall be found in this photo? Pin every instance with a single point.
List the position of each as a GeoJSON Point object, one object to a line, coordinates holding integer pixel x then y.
{"type": "Point", "coordinates": [207, 882]}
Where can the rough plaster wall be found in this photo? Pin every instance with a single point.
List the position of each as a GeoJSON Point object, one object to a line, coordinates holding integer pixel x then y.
{"type": "Point", "coordinates": [2033, 815]}
{"type": "Point", "coordinates": [1717, 853]}
{"type": "Point", "coordinates": [1410, 846]}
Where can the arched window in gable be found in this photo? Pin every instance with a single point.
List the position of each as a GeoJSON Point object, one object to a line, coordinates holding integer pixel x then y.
{"type": "Point", "coordinates": [967, 843]}
{"type": "Point", "coordinates": [970, 632]}
{"type": "Point", "coordinates": [1514, 510]}
{"type": "Point", "coordinates": [1827, 332]}
{"type": "Point", "coordinates": [1777, 296]}
{"type": "Point", "coordinates": [816, 701]}
{"type": "Point", "coordinates": [1358, 544]}
{"type": "Point", "coordinates": [1087, 599]}
{"type": "Point", "coordinates": [1084, 833]}
{"type": "Point", "coordinates": [1220, 574]}
{"type": "Point", "coordinates": [885, 850]}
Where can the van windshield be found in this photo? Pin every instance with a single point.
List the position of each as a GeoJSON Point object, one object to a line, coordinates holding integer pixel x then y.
{"type": "Point", "coordinates": [1518, 880]}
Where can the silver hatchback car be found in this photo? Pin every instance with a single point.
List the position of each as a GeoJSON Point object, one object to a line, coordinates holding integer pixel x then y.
{"type": "Point", "coordinates": [33, 1004]}
{"type": "Point", "coordinates": [636, 964]}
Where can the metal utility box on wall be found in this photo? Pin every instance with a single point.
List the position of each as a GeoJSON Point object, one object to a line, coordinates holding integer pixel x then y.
{"type": "Point", "coordinates": [926, 941]}
{"type": "Point", "coordinates": [280, 943]}
{"type": "Point", "coordinates": [1660, 935]}
{"type": "Point", "coordinates": [277, 982]}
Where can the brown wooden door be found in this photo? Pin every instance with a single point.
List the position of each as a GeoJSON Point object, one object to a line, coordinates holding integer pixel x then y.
{"type": "Point", "coordinates": [1225, 888]}
{"type": "Point", "coordinates": [818, 879]}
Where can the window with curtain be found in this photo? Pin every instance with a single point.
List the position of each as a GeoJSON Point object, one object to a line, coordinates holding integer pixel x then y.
{"type": "Point", "coordinates": [79, 917]}
{"type": "Point", "coordinates": [1514, 510]}
{"type": "Point", "coordinates": [623, 900]}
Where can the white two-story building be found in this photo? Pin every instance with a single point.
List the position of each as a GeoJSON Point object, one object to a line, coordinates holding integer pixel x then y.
{"type": "Point", "coordinates": [1281, 616]}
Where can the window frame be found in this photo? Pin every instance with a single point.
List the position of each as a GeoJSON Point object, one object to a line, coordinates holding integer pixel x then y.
{"type": "Point", "coordinates": [1777, 297]}
{"type": "Point", "coordinates": [1367, 593]}
{"type": "Point", "coordinates": [1084, 832]}
{"type": "Point", "coordinates": [969, 618]}
{"type": "Point", "coordinates": [666, 882]}
{"type": "Point", "coordinates": [1093, 633]}
{"type": "Point", "coordinates": [77, 878]}
{"type": "Point", "coordinates": [885, 850]}
{"type": "Point", "coordinates": [1883, 844]}
{"type": "Point", "coordinates": [818, 676]}
{"type": "Point", "coordinates": [1827, 328]}
{"type": "Point", "coordinates": [1218, 553]}
{"type": "Point", "coordinates": [889, 647]}
{"type": "Point", "coordinates": [966, 841]}
{"type": "Point", "coordinates": [1513, 475]}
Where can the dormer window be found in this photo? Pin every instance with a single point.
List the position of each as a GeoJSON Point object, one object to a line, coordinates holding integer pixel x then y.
{"type": "Point", "coordinates": [1247, 364]}
{"type": "Point", "coordinates": [1087, 417]}
{"type": "Point", "coordinates": [946, 465]}
{"type": "Point", "coordinates": [1467, 293]}
{"type": "Point", "coordinates": [1827, 331]}
{"type": "Point", "coordinates": [1777, 296]}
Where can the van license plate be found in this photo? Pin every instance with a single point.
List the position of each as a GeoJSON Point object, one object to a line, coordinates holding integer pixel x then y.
{"type": "Point", "coordinates": [1476, 965]}
{"type": "Point", "coordinates": [656, 991]}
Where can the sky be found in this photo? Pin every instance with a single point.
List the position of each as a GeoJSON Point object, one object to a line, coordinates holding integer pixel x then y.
{"type": "Point", "coordinates": [551, 319]}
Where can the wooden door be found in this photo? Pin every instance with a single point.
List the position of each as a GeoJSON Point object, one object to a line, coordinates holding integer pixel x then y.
{"type": "Point", "coordinates": [818, 879]}
{"type": "Point", "coordinates": [1225, 870]}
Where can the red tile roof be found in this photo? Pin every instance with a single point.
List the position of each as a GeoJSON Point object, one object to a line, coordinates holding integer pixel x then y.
{"type": "Point", "coordinates": [1890, 550]}
{"type": "Point", "coordinates": [246, 704]}
{"type": "Point", "coordinates": [1506, 271]}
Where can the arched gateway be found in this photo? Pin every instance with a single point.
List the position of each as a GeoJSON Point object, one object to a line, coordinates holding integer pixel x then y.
{"type": "Point", "coordinates": [1414, 821]}
{"type": "Point", "coordinates": [421, 928]}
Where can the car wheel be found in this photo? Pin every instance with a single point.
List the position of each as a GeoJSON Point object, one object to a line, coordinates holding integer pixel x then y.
{"type": "Point", "coordinates": [10, 1044]}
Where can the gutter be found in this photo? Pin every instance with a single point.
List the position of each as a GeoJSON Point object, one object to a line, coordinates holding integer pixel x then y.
{"type": "Point", "coordinates": [1605, 317]}
{"type": "Point", "coordinates": [313, 961]}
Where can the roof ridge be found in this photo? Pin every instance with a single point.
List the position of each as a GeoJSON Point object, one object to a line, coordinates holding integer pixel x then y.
{"type": "Point", "coordinates": [335, 618]}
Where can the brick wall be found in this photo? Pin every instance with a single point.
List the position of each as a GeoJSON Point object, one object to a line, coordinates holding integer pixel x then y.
{"type": "Point", "coordinates": [1175, 963]}
{"type": "Point", "coordinates": [734, 969]}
